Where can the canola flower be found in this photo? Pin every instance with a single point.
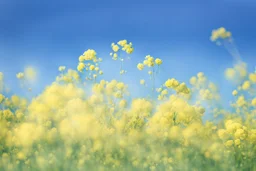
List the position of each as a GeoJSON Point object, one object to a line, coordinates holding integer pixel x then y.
{"type": "Point", "coordinates": [142, 82]}
{"type": "Point", "coordinates": [223, 37]}
{"type": "Point", "coordinates": [88, 66]}
{"type": "Point", "coordinates": [120, 48]}
{"type": "Point", "coordinates": [220, 33]}
{"type": "Point", "coordinates": [153, 66]}
{"type": "Point", "coordinates": [20, 75]}
{"type": "Point", "coordinates": [97, 127]}
{"type": "Point", "coordinates": [62, 68]}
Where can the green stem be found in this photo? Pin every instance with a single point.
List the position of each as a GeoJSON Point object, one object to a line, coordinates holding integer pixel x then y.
{"type": "Point", "coordinates": [153, 83]}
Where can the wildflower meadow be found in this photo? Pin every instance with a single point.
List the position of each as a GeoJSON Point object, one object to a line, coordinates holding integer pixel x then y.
{"type": "Point", "coordinates": [84, 122]}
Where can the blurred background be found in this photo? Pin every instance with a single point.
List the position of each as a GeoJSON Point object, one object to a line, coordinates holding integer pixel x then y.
{"type": "Point", "coordinates": [47, 34]}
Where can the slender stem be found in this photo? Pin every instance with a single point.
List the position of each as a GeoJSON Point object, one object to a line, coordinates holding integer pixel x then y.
{"type": "Point", "coordinates": [153, 83]}
{"type": "Point", "coordinates": [121, 65]}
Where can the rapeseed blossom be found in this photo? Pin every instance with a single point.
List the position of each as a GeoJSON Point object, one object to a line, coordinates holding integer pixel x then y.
{"type": "Point", "coordinates": [140, 66]}
{"type": "Point", "coordinates": [20, 75]}
{"type": "Point", "coordinates": [62, 68]}
{"type": "Point", "coordinates": [117, 48]}
{"type": "Point", "coordinates": [220, 33]}
{"type": "Point", "coordinates": [100, 126]}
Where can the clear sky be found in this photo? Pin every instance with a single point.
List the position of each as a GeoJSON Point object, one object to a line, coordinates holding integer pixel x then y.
{"type": "Point", "coordinates": [46, 34]}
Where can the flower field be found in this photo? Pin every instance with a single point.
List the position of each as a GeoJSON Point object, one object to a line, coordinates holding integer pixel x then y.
{"type": "Point", "coordinates": [83, 122]}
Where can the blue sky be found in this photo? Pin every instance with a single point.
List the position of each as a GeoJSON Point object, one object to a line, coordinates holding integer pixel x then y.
{"type": "Point", "coordinates": [52, 33]}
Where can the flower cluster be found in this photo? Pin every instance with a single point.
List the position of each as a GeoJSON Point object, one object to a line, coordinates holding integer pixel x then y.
{"type": "Point", "coordinates": [149, 62]}
{"type": "Point", "coordinates": [220, 33]}
{"type": "Point", "coordinates": [89, 63]}
{"type": "Point", "coordinates": [124, 46]}
{"type": "Point", "coordinates": [173, 84]}
{"type": "Point", "coordinates": [153, 65]}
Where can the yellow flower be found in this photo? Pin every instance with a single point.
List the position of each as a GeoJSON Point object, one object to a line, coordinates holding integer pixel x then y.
{"type": "Point", "coordinates": [92, 67]}
{"type": "Point", "coordinates": [151, 64]}
{"type": "Point", "coordinates": [150, 58]}
{"type": "Point", "coordinates": [97, 68]}
{"type": "Point", "coordinates": [240, 134]}
{"type": "Point", "coordinates": [230, 73]}
{"type": "Point", "coordinates": [81, 58]}
{"type": "Point", "coordinates": [171, 83]}
{"type": "Point", "coordinates": [193, 80]}
{"type": "Point", "coordinates": [20, 75]}
{"type": "Point", "coordinates": [160, 97]}
{"type": "Point", "coordinates": [62, 68]}
{"type": "Point", "coordinates": [118, 95]}
{"type": "Point", "coordinates": [150, 61]}
{"type": "Point", "coordinates": [142, 82]}
{"type": "Point", "coordinates": [200, 74]}
{"type": "Point", "coordinates": [129, 50]}
{"type": "Point", "coordinates": [145, 62]}
{"type": "Point", "coordinates": [220, 33]}
{"type": "Point", "coordinates": [168, 83]}
{"type": "Point", "coordinates": [140, 66]}
{"type": "Point", "coordinates": [254, 102]}
{"type": "Point", "coordinates": [158, 61]}
{"type": "Point", "coordinates": [164, 92]}
{"type": "Point", "coordinates": [229, 143]}
{"type": "Point", "coordinates": [100, 72]}
{"type": "Point", "coordinates": [115, 55]}
{"type": "Point", "coordinates": [241, 101]}
{"type": "Point", "coordinates": [1, 98]}
{"type": "Point", "coordinates": [237, 142]}
{"type": "Point", "coordinates": [122, 42]}
{"type": "Point", "coordinates": [222, 133]}
{"type": "Point", "coordinates": [122, 103]}
{"type": "Point", "coordinates": [252, 77]}
{"type": "Point", "coordinates": [21, 156]}
{"type": "Point", "coordinates": [122, 72]}
{"type": "Point", "coordinates": [80, 67]}
{"type": "Point", "coordinates": [234, 93]}
{"type": "Point", "coordinates": [246, 85]}
{"type": "Point", "coordinates": [120, 86]}
{"type": "Point", "coordinates": [115, 48]}
{"type": "Point", "coordinates": [90, 54]}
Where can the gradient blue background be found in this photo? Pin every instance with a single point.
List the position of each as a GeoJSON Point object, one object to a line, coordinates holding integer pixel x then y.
{"type": "Point", "coordinates": [52, 33]}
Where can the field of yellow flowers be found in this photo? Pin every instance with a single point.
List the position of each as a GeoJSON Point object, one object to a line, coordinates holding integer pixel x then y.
{"type": "Point", "coordinates": [94, 125]}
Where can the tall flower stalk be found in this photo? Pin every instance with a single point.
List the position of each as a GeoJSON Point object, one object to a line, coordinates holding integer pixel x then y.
{"type": "Point", "coordinates": [153, 65]}
{"type": "Point", "coordinates": [118, 48]}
